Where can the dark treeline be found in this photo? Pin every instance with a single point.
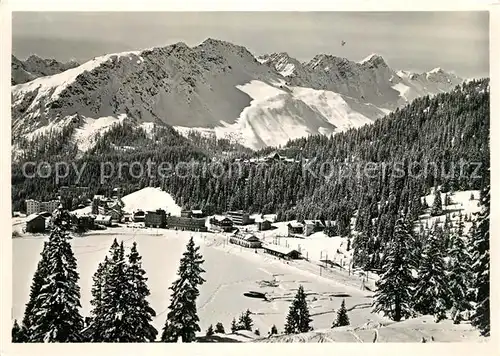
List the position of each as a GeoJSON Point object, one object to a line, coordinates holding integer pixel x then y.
{"type": "Point", "coordinates": [443, 131]}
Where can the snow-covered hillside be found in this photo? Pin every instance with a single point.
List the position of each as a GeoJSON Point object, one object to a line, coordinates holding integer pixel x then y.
{"type": "Point", "coordinates": [220, 87]}
{"type": "Point", "coordinates": [34, 67]}
{"type": "Point", "coordinates": [412, 330]}
{"type": "Point", "coordinates": [369, 81]}
{"type": "Point", "coordinates": [150, 198]}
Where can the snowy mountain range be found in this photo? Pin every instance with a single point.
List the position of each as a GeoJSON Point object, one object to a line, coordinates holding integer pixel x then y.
{"type": "Point", "coordinates": [34, 67]}
{"type": "Point", "coordinates": [217, 88]}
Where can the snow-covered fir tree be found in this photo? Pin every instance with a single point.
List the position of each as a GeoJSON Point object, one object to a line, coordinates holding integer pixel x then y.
{"type": "Point", "coordinates": [458, 267]}
{"type": "Point", "coordinates": [437, 205]}
{"type": "Point", "coordinates": [96, 314]}
{"type": "Point", "coordinates": [182, 319]}
{"type": "Point", "coordinates": [138, 314]}
{"type": "Point", "coordinates": [210, 331]}
{"type": "Point", "coordinates": [38, 281]}
{"type": "Point", "coordinates": [112, 324]}
{"type": "Point", "coordinates": [342, 317]}
{"type": "Point", "coordinates": [432, 291]}
{"type": "Point", "coordinates": [298, 319]}
{"type": "Point", "coordinates": [56, 314]}
{"type": "Point", "coordinates": [18, 334]}
{"type": "Point", "coordinates": [395, 287]}
{"type": "Point", "coordinates": [481, 266]}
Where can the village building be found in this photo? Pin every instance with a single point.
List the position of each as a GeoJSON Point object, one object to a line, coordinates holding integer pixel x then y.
{"type": "Point", "coordinates": [239, 217]}
{"type": "Point", "coordinates": [263, 224]}
{"type": "Point", "coordinates": [221, 223]}
{"type": "Point", "coordinates": [186, 223]}
{"type": "Point", "coordinates": [117, 193]}
{"type": "Point", "coordinates": [197, 214]}
{"type": "Point", "coordinates": [281, 251]}
{"type": "Point", "coordinates": [104, 220]}
{"type": "Point", "coordinates": [246, 240]}
{"type": "Point", "coordinates": [116, 214]}
{"type": "Point", "coordinates": [35, 223]}
{"type": "Point", "coordinates": [84, 222]}
{"type": "Point", "coordinates": [312, 226]}
{"type": "Point", "coordinates": [139, 216]}
{"type": "Point", "coordinates": [295, 228]}
{"type": "Point", "coordinates": [156, 218]}
{"type": "Point", "coordinates": [35, 206]}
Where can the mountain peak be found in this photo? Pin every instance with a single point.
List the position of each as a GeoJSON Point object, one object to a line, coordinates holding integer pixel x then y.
{"type": "Point", "coordinates": [374, 59]}
{"type": "Point", "coordinates": [437, 70]}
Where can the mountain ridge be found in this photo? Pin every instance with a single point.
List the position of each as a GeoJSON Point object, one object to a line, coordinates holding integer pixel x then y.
{"type": "Point", "coordinates": [222, 87]}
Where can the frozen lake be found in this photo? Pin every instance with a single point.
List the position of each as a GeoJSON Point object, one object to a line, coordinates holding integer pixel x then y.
{"type": "Point", "coordinates": [230, 272]}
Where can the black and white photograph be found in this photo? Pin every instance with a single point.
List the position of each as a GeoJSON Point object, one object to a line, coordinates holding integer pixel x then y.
{"type": "Point", "coordinates": [250, 177]}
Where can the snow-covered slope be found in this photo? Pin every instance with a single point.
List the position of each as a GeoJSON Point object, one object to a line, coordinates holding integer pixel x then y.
{"type": "Point", "coordinates": [150, 198]}
{"type": "Point", "coordinates": [371, 80]}
{"type": "Point", "coordinates": [221, 87]}
{"type": "Point", "coordinates": [35, 67]}
{"type": "Point", "coordinates": [412, 330]}
{"type": "Point", "coordinates": [279, 113]}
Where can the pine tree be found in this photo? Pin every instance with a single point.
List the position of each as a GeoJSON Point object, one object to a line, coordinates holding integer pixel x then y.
{"type": "Point", "coordinates": [437, 206]}
{"type": "Point", "coordinates": [481, 267]}
{"type": "Point", "coordinates": [56, 316]}
{"type": "Point", "coordinates": [219, 328]}
{"type": "Point", "coordinates": [18, 334]}
{"type": "Point", "coordinates": [394, 288]}
{"type": "Point", "coordinates": [458, 266]}
{"type": "Point", "coordinates": [342, 318]}
{"type": "Point", "coordinates": [168, 334]}
{"type": "Point", "coordinates": [97, 312]}
{"type": "Point", "coordinates": [39, 279]}
{"type": "Point", "coordinates": [245, 322]}
{"type": "Point", "coordinates": [432, 290]}
{"type": "Point", "coordinates": [274, 330]}
{"type": "Point", "coordinates": [95, 206]}
{"type": "Point", "coordinates": [234, 326]}
{"type": "Point", "coordinates": [210, 331]}
{"type": "Point", "coordinates": [138, 314]}
{"type": "Point", "coordinates": [112, 323]}
{"type": "Point", "coordinates": [182, 317]}
{"type": "Point", "coordinates": [298, 318]}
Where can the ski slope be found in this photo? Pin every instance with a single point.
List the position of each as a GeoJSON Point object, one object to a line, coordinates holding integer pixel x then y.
{"type": "Point", "coordinates": [150, 198]}
{"type": "Point", "coordinates": [278, 113]}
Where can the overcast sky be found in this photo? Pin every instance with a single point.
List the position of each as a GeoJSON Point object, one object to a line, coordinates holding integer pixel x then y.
{"type": "Point", "coordinates": [418, 41]}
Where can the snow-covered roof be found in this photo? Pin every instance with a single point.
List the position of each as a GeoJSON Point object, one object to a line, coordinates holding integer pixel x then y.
{"type": "Point", "coordinates": [296, 224]}
{"type": "Point", "coordinates": [103, 218]}
{"type": "Point", "coordinates": [280, 249]}
{"type": "Point", "coordinates": [197, 211]}
{"type": "Point", "coordinates": [312, 222]}
{"type": "Point", "coordinates": [246, 237]}
{"type": "Point", "coordinates": [32, 217]}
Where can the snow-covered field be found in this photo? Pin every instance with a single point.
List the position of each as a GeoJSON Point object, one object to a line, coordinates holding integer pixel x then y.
{"type": "Point", "coordinates": [232, 270]}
